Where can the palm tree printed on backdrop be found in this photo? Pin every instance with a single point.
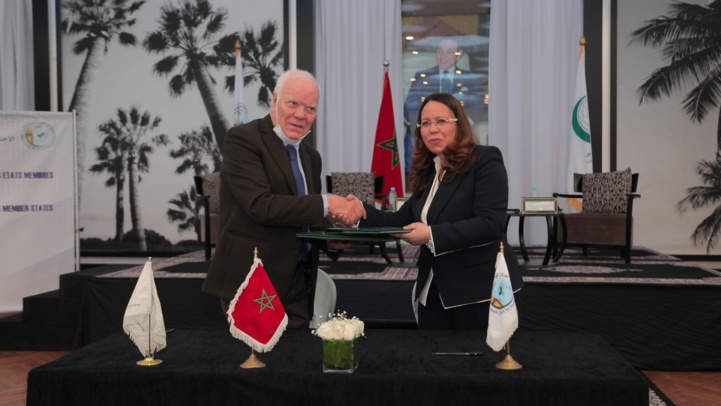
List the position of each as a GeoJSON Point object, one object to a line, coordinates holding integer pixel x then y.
{"type": "Point", "coordinates": [701, 196]}
{"type": "Point", "coordinates": [133, 127]}
{"type": "Point", "coordinates": [690, 37]}
{"type": "Point", "coordinates": [112, 156]}
{"type": "Point", "coordinates": [197, 152]}
{"type": "Point", "coordinates": [186, 38]}
{"type": "Point", "coordinates": [186, 211]}
{"type": "Point", "coordinates": [261, 57]}
{"type": "Point", "coordinates": [99, 22]}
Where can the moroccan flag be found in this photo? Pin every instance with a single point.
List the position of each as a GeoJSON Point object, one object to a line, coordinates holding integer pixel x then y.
{"type": "Point", "coordinates": [386, 160]}
{"type": "Point", "coordinates": [580, 158]}
{"type": "Point", "coordinates": [240, 112]}
{"type": "Point", "coordinates": [502, 314]}
{"type": "Point", "coordinates": [143, 321]}
{"type": "Point", "coordinates": [256, 315]}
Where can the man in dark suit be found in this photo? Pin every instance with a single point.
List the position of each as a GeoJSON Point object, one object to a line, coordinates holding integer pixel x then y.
{"type": "Point", "coordinates": [270, 190]}
{"type": "Point", "coordinates": [446, 77]}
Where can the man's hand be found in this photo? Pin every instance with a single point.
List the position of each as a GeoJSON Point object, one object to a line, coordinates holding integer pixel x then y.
{"type": "Point", "coordinates": [347, 210]}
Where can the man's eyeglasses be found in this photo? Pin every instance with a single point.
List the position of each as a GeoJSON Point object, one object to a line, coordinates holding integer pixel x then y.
{"type": "Point", "coordinates": [426, 125]}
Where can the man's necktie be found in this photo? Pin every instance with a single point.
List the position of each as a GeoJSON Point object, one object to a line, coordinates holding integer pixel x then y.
{"type": "Point", "coordinates": [446, 82]}
{"type": "Point", "coordinates": [293, 155]}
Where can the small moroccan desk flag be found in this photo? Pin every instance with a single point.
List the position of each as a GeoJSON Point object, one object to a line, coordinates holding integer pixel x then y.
{"type": "Point", "coordinates": [256, 315]}
{"type": "Point", "coordinates": [502, 314]}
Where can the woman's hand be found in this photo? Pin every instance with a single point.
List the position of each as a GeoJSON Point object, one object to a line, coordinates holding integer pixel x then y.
{"type": "Point", "coordinates": [419, 235]}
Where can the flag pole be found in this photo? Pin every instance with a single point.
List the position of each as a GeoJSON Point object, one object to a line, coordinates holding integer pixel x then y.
{"type": "Point", "coordinates": [149, 360]}
{"type": "Point", "coordinates": [253, 361]}
{"type": "Point", "coordinates": [508, 362]}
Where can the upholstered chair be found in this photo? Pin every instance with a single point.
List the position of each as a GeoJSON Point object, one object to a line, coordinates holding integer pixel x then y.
{"type": "Point", "coordinates": [606, 217]}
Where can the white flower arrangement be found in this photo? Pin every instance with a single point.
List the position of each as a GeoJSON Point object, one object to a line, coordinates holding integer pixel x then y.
{"type": "Point", "coordinates": [339, 327]}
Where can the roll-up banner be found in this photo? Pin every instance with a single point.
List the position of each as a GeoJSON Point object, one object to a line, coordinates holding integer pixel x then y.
{"type": "Point", "coordinates": [38, 212]}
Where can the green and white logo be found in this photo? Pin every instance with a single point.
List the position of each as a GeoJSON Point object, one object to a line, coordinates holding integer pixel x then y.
{"type": "Point", "coordinates": [580, 121]}
{"type": "Point", "coordinates": [38, 135]}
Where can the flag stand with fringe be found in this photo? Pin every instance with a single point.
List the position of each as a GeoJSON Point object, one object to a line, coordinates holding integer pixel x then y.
{"type": "Point", "coordinates": [502, 313]}
{"type": "Point", "coordinates": [143, 304]}
{"type": "Point", "coordinates": [252, 361]}
{"type": "Point", "coordinates": [150, 360]}
{"type": "Point", "coordinates": [256, 315]}
{"type": "Point", "coordinates": [508, 363]}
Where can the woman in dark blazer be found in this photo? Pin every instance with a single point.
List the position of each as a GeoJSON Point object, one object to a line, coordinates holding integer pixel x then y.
{"type": "Point", "coordinates": [456, 214]}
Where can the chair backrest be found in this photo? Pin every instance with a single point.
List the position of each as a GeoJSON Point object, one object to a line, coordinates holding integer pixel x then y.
{"type": "Point", "coordinates": [359, 184]}
{"type": "Point", "coordinates": [606, 192]}
{"type": "Point", "coordinates": [209, 185]}
{"type": "Point", "coordinates": [378, 185]}
{"type": "Point", "coordinates": [578, 182]}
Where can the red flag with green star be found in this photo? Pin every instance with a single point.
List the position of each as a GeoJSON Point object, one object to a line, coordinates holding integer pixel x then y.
{"type": "Point", "coordinates": [256, 315]}
{"type": "Point", "coordinates": [386, 159]}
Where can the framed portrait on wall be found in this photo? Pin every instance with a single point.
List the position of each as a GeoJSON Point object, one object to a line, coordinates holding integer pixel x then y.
{"type": "Point", "coordinates": [445, 49]}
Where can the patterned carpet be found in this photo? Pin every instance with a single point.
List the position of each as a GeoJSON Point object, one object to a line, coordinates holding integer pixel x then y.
{"type": "Point", "coordinates": [354, 263]}
{"type": "Point", "coordinates": [647, 267]}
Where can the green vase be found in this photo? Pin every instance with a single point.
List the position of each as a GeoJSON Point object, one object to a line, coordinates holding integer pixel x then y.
{"type": "Point", "coordinates": [340, 356]}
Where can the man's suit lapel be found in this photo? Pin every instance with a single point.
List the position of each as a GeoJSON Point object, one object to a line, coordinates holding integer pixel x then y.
{"type": "Point", "coordinates": [307, 163]}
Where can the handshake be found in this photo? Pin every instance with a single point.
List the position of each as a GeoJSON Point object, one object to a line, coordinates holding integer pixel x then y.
{"type": "Point", "coordinates": [347, 210]}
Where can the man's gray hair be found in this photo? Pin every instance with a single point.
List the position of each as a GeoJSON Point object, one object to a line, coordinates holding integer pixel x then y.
{"type": "Point", "coordinates": [299, 73]}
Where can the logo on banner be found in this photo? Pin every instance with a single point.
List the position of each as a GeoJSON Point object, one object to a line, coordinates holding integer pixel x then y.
{"type": "Point", "coordinates": [38, 136]}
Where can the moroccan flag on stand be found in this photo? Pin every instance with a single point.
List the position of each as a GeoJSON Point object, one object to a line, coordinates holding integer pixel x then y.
{"type": "Point", "coordinates": [502, 314]}
{"type": "Point", "coordinates": [240, 112]}
{"type": "Point", "coordinates": [386, 159]}
{"type": "Point", "coordinates": [256, 315]}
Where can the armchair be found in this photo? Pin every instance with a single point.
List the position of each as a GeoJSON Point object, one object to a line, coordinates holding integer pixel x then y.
{"type": "Point", "coordinates": [208, 189]}
{"type": "Point", "coordinates": [606, 217]}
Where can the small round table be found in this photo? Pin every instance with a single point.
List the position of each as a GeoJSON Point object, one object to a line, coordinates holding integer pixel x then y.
{"type": "Point", "coordinates": [552, 247]}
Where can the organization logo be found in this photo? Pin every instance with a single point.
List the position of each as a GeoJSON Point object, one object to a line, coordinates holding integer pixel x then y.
{"type": "Point", "coordinates": [38, 135]}
{"type": "Point", "coordinates": [502, 294]}
{"type": "Point", "coordinates": [580, 120]}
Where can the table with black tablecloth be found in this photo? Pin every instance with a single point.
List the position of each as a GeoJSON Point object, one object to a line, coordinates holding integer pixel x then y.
{"type": "Point", "coordinates": [201, 366]}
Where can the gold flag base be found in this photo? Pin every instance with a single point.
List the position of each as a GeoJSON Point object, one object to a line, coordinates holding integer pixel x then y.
{"type": "Point", "coordinates": [509, 364]}
{"type": "Point", "coordinates": [149, 362]}
{"type": "Point", "coordinates": [252, 362]}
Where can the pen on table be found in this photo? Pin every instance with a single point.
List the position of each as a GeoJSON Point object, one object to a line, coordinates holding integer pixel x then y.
{"type": "Point", "coordinates": [470, 354]}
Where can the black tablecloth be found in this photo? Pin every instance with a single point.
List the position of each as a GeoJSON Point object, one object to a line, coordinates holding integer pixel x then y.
{"type": "Point", "coordinates": [396, 368]}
